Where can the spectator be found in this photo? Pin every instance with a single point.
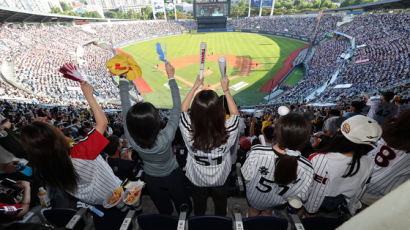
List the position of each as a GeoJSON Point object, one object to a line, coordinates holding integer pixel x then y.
{"type": "Point", "coordinates": [355, 109]}
{"type": "Point", "coordinates": [154, 146]}
{"type": "Point", "coordinates": [391, 159]}
{"type": "Point", "coordinates": [341, 168]}
{"type": "Point", "coordinates": [278, 173]}
{"type": "Point", "coordinates": [80, 171]}
{"type": "Point", "coordinates": [332, 124]}
{"type": "Point", "coordinates": [209, 140]}
{"type": "Point", "coordinates": [121, 163]}
{"type": "Point", "coordinates": [381, 110]}
{"type": "Point", "coordinates": [15, 209]}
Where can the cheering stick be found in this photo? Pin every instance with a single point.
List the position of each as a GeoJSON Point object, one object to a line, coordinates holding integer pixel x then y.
{"type": "Point", "coordinates": [202, 56]}
{"type": "Point", "coordinates": [222, 66]}
{"type": "Point", "coordinates": [71, 72]}
{"type": "Point", "coordinates": [160, 52]}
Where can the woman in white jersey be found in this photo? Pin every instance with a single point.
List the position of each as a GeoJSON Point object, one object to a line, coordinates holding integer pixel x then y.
{"type": "Point", "coordinates": [342, 168]}
{"type": "Point", "coordinates": [209, 136]}
{"type": "Point", "coordinates": [273, 175]}
{"type": "Point", "coordinates": [391, 159]}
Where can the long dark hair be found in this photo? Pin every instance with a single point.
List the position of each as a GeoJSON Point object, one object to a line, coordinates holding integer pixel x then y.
{"type": "Point", "coordinates": [396, 131]}
{"type": "Point", "coordinates": [143, 124]}
{"type": "Point", "coordinates": [292, 132]}
{"type": "Point", "coordinates": [208, 121]}
{"type": "Point", "coordinates": [340, 144]}
{"type": "Point", "coordinates": [49, 153]}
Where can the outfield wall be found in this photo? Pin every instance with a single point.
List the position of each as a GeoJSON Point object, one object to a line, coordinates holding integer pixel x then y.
{"type": "Point", "coordinates": [283, 72]}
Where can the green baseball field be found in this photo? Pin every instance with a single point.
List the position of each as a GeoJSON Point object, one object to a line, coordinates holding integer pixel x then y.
{"type": "Point", "coordinates": [252, 59]}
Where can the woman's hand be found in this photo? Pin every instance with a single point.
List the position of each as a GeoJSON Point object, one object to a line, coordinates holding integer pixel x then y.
{"type": "Point", "coordinates": [22, 184]}
{"type": "Point", "coordinates": [225, 84]}
{"type": "Point", "coordinates": [198, 82]}
{"type": "Point", "coordinates": [87, 89]}
{"type": "Point", "coordinates": [170, 70]}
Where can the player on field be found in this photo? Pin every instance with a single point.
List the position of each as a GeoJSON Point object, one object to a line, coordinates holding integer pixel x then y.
{"type": "Point", "coordinates": [342, 167]}
{"type": "Point", "coordinates": [391, 159]}
{"type": "Point", "coordinates": [209, 137]}
{"type": "Point", "coordinates": [275, 174]}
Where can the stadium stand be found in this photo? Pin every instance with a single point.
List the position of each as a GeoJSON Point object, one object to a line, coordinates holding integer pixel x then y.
{"type": "Point", "coordinates": [35, 99]}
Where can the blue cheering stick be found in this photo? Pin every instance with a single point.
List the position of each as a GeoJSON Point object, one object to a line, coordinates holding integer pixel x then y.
{"type": "Point", "coordinates": [161, 54]}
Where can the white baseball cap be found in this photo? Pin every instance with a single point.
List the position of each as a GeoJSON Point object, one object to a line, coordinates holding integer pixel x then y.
{"type": "Point", "coordinates": [360, 129]}
{"type": "Point", "coordinates": [283, 110]}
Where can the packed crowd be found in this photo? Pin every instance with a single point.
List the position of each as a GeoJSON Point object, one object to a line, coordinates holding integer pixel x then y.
{"type": "Point", "coordinates": [37, 53]}
{"type": "Point", "coordinates": [380, 61]}
{"type": "Point", "coordinates": [386, 52]}
{"type": "Point", "coordinates": [303, 26]}
{"type": "Point", "coordinates": [117, 33]}
{"type": "Point", "coordinates": [283, 152]}
{"type": "Point", "coordinates": [322, 157]}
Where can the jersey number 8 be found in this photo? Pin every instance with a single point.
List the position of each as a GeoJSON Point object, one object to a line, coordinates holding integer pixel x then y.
{"type": "Point", "coordinates": [384, 156]}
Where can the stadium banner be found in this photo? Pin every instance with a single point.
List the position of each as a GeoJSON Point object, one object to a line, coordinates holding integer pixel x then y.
{"type": "Point", "coordinates": [265, 3]}
{"type": "Point", "coordinates": [362, 61]}
{"type": "Point", "coordinates": [158, 6]}
{"type": "Point", "coordinates": [169, 5]}
{"type": "Point", "coordinates": [342, 34]}
{"type": "Point", "coordinates": [343, 86]}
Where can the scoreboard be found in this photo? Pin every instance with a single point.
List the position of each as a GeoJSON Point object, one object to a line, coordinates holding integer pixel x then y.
{"type": "Point", "coordinates": [209, 8]}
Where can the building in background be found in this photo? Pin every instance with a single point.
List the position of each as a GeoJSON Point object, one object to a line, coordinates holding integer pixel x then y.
{"type": "Point", "coordinates": [79, 6]}
{"type": "Point", "coordinates": [43, 6]}
{"type": "Point", "coordinates": [123, 5]}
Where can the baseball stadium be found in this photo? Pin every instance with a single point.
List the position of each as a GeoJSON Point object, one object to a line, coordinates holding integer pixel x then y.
{"type": "Point", "coordinates": [252, 59]}
{"type": "Point", "coordinates": [203, 114]}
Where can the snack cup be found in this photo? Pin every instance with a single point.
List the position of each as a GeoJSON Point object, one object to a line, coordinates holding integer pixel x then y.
{"type": "Point", "coordinates": [132, 187]}
{"type": "Point", "coordinates": [118, 203]}
{"type": "Point", "coordinates": [294, 204]}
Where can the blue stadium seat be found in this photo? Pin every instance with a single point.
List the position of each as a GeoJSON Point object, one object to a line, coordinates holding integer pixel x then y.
{"type": "Point", "coordinates": [321, 223]}
{"type": "Point", "coordinates": [157, 221]}
{"type": "Point", "coordinates": [59, 217]}
{"type": "Point", "coordinates": [210, 222]}
{"type": "Point", "coordinates": [265, 223]}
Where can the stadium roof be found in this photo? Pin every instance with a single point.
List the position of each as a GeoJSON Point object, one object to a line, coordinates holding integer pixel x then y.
{"type": "Point", "coordinates": [15, 15]}
{"type": "Point", "coordinates": [385, 4]}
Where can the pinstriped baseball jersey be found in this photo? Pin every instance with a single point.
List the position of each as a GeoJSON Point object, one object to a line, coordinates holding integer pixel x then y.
{"type": "Point", "coordinates": [96, 178]}
{"type": "Point", "coordinates": [391, 169]}
{"type": "Point", "coordinates": [209, 169]}
{"type": "Point", "coordinates": [261, 190]}
{"type": "Point", "coordinates": [328, 180]}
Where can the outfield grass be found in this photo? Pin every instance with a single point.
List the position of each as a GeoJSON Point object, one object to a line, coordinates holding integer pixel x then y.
{"type": "Point", "coordinates": [294, 77]}
{"type": "Point", "coordinates": [270, 51]}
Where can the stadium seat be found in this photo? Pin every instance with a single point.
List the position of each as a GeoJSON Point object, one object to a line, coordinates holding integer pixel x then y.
{"type": "Point", "coordinates": [59, 217]}
{"type": "Point", "coordinates": [264, 223]}
{"type": "Point", "coordinates": [112, 218]}
{"type": "Point", "coordinates": [210, 222]}
{"type": "Point", "coordinates": [321, 223]}
{"type": "Point", "coordinates": [157, 221]}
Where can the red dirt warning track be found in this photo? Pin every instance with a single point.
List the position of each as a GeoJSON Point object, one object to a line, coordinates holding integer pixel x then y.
{"type": "Point", "coordinates": [286, 67]}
